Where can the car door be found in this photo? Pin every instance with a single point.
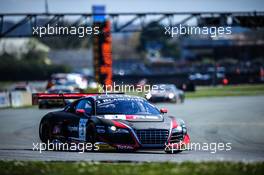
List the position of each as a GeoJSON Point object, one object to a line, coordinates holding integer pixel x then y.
{"type": "Point", "coordinates": [81, 110]}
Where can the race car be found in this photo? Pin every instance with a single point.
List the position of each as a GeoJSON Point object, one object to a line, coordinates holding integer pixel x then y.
{"type": "Point", "coordinates": [56, 103]}
{"type": "Point", "coordinates": [112, 122]}
{"type": "Point", "coordinates": [166, 93]}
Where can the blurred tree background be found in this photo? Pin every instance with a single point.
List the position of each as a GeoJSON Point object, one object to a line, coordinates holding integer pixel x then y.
{"type": "Point", "coordinates": [32, 64]}
{"type": "Point", "coordinates": [66, 42]}
{"type": "Point", "coordinates": [153, 34]}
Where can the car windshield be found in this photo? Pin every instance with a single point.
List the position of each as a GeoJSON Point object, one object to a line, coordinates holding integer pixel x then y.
{"type": "Point", "coordinates": [170, 88]}
{"type": "Point", "coordinates": [165, 88]}
{"type": "Point", "coordinates": [127, 106]}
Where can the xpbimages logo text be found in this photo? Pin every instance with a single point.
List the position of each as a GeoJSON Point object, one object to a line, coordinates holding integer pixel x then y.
{"type": "Point", "coordinates": [80, 147]}
{"type": "Point", "coordinates": [174, 31]}
{"type": "Point", "coordinates": [213, 147]}
{"type": "Point", "coordinates": [79, 31]}
{"type": "Point", "coordinates": [130, 88]}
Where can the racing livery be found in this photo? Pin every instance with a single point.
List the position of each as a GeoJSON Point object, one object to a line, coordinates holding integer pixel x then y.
{"type": "Point", "coordinates": [112, 122]}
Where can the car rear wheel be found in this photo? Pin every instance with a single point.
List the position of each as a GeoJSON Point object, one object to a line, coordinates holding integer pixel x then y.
{"type": "Point", "coordinates": [42, 106]}
{"type": "Point", "coordinates": [44, 132]}
{"type": "Point", "coordinates": [46, 137]}
{"type": "Point", "coordinates": [91, 134]}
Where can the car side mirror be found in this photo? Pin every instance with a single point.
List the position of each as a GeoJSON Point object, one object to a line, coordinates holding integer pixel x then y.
{"type": "Point", "coordinates": [80, 111]}
{"type": "Point", "coordinates": [163, 110]}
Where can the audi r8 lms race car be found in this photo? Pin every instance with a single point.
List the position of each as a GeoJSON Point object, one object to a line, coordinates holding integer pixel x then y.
{"type": "Point", "coordinates": [112, 122]}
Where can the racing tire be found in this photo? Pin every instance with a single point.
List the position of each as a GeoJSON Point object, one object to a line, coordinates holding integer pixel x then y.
{"type": "Point", "coordinates": [174, 100]}
{"type": "Point", "coordinates": [91, 136]}
{"type": "Point", "coordinates": [46, 137]}
{"type": "Point", "coordinates": [182, 99]}
{"type": "Point", "coordinates": [44, 132]}
{"type": "Point", "coordinates": [42, 106]}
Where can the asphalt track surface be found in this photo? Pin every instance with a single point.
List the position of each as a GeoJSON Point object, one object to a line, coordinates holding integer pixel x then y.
{"type": "Point", "coordinates": [235, 120]}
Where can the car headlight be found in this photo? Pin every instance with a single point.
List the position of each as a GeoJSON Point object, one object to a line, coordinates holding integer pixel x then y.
{"type": "Point", "coordinates": [177, 129]}
{"type": "Point", "coordinates": [148, 96]}
{"type": "Point", "coordinates": [181, 127]}
{"type": "Point", "coordinates": [113, 129]}
{"type": "Point", "coordinates": [171, 95]}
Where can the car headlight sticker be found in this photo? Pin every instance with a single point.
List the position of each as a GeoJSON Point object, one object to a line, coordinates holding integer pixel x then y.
{"type": "Point", "coordinates": [177, 129]}
{"type": "Point", "coordinates": [171, 95]}
{"type": "Point", "coordinates": [148, 95]}
{"type": "Point", "coordinates": [114, 129]}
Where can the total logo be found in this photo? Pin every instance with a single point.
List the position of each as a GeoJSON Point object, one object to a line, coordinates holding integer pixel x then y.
{"type": "Point", "coordinates": [125, 147]}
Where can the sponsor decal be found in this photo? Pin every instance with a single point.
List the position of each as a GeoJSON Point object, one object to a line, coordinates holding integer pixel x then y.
{"type": "Point", "coordinates": [122, 117]}
{"type": "Point", "coordinates": [124, 147]}
{"type": "Point", "coordinates": [82, 129]}
{"type": "Point", "coordinates": [73, 128]}
{"type": "Point", "coordinates": [129, 117]}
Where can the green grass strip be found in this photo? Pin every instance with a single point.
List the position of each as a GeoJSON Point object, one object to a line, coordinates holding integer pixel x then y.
{"type": "Point", "coordinates": [224, 91]}
{"type": "Point", "coordinates": [89, 168]}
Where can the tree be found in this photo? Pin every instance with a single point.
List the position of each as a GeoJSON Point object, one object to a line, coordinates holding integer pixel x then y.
{"type": "Point", "coordinates": [154, 34]}
{"type": "Point", "coordinates": [31, 66]}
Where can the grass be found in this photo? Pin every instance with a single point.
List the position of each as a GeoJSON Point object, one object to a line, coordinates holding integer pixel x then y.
{"type": "Point", "coordinates": [223, 91]}
{"type": "Point", "coordinates": [76, 168]}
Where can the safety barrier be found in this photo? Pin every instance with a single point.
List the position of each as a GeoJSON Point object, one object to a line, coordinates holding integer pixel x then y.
{"type": "Point", "coordinates": [4, 99]}
{"type": "Point", "coordinates": [15, 99]}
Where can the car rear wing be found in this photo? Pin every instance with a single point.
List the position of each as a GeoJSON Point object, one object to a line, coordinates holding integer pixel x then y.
{"type": "Point", "coordinates": [39, 96]}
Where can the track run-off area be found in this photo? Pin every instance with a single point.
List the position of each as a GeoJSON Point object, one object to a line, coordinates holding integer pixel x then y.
{"type": "Point", "coordinates": [235, 120]}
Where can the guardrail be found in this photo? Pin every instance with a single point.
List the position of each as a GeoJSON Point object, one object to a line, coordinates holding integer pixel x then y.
{"type": "Point", "coordinates": [15, 99]}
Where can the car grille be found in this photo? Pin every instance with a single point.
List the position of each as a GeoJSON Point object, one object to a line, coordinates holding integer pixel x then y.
{"type": "Point", "coordinates": [153, 136]}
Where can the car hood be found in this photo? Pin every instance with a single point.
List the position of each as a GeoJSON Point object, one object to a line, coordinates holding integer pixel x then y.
{"type": "Point", "coordinates": [138, 124]}
{"type": "Point", "coordinates": [147, 125]}
{"type": "Point", "coordinates": [159, 93]}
